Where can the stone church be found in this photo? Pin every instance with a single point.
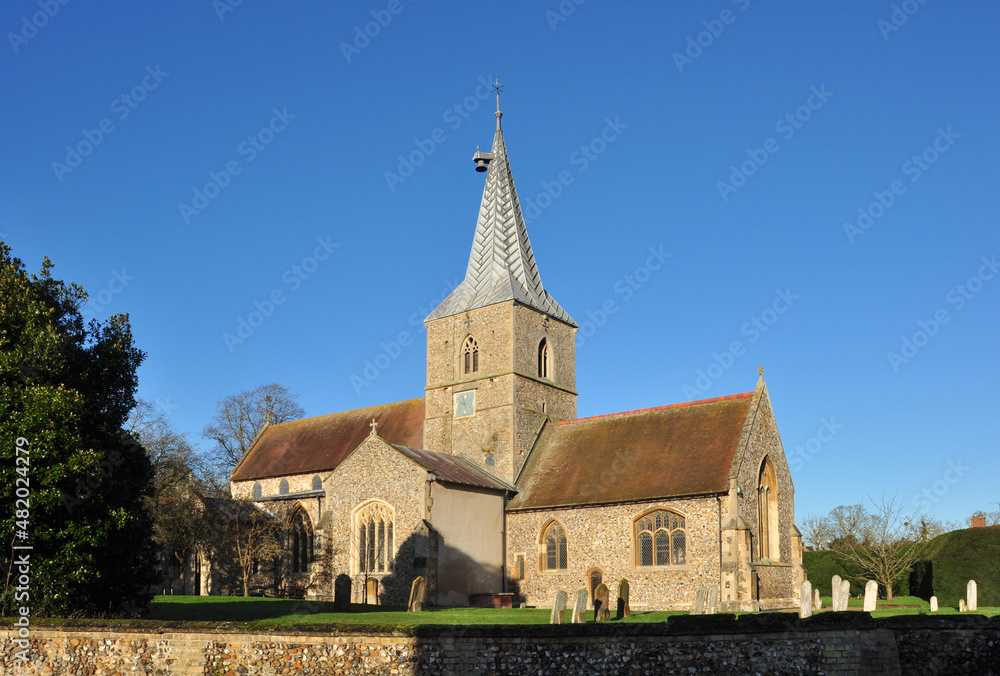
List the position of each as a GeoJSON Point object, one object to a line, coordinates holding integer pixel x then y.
{"type": "Point", "coordinates": [491, 488]}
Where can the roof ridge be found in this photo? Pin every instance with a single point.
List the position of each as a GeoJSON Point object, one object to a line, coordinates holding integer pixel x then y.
{"type": "Point", "coordinates": [353, 410]}
{"type": "Point", "coordinates": [682, 404]}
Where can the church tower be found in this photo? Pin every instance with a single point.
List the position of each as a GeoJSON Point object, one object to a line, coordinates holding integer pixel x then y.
{"type": "Point", "coordinates": [501, 352]}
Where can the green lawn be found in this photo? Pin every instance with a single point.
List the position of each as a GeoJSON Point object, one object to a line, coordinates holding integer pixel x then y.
{"type": "Point", "coordinates": [292, 612]}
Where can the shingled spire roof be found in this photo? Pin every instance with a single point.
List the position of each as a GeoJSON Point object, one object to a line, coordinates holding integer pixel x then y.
{"type": "Point", "coordinates": [501, 266]}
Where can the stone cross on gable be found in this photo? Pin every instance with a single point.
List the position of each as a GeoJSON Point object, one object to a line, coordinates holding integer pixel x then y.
{"type": "Point", "coordinates": [374, 425]}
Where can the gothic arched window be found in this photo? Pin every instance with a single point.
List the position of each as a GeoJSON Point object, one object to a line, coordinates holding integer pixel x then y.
{"type": "Point", "coordinates": [300, 542]}
{"type": "Point", "coordinates": [256, 491]}
{"type": "Point", "coordinates": [543, 359]}
{"type": "Point", "coordinates": [767, 512]}
{"type": "Point", "coordinates": [660, 539]}
{"type": "Point", "coordinates": [317, 483]}
{"type": "Point", "coordinates": [553, 547]}
{"type": "Point", "coordinates": [373, 525]}
{"type": "Point", "coordinates": [283, 487]}
{"type": "Point", "coordinates": [470, 356]}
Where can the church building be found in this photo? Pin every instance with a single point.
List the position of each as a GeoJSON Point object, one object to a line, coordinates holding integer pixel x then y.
{"type": "Point", "coordinates": [489, 485]}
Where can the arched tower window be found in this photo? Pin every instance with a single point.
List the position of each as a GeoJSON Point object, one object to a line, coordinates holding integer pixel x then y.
{"type": "Point", "coordinates": [256, 491]}
{"type": "Point", "coordinates": [470, 356]}
{"type": "Point", "coordinates": [317, 483]}
{"type": "Point", "coordinates": [767, 511]}
{"type": "Point", "coordinates": [660, 539]}
{"type": "Point", "coordinates": [373, 525]}
{"type": "Point", "coordinates": [283, 487]}
{"type": "Point", "coordinates": [301, 541]}
{"type": "Point", "coordinates": [553, 547]}
{"type": "Point", "coordinates": [544, 359]}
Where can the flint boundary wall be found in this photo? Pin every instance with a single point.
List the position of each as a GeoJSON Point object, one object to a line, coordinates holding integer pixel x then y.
{"type": "Point", "coordinates": [777, 643]}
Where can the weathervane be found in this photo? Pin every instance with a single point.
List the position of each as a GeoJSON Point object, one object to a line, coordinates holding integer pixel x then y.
{"type": "Point", "coordinates": [498, 90]}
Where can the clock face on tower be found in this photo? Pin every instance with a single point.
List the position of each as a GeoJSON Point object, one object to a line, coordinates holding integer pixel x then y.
{"type": "Point", "coordinates": [465, 404]}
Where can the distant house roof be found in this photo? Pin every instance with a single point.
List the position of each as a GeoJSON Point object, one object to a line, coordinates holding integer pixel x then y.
{"type": "Point", "coordinates": [322, 443]}
{"type": "Point", "coordinates": [671, 451]}
{"type": "Point", "coordinates": [454, 469]}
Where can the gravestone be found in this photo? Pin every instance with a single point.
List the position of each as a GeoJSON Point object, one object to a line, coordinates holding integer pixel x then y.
{"type": "Point", "coordinates": [624, 610]}
{"type": "Point", "coordinates": [961, 606]}
{"type": "Point", "coordinates": [871, 595]}
{"type": "Point", "coordinates": [835, 587]}
{"type": "Point", "coordinates": [699, 601]}
{"type": "Point", "coordinates": [972, 594]}
{"type": "Point", "coordinates": [417, 591]}
{"type": "Point", "coordinates": [558, 608]}
{"type": "Point", "coordinates": [845, 594]}
{"type": "Point", "coordinates": [934, 605]}
{"type": "Point", "coordinates": [713, 600]}
{"type": "Point", "coordinates": [817, 600]}
{"type": "Point", "coordinates": [806, 600]}
{"type": "Point", "coordinates": [342, 593]}
{"type": "Point", "coordinates": [601, 611]}
{"type": "Point", "coordinates": [580, 608]}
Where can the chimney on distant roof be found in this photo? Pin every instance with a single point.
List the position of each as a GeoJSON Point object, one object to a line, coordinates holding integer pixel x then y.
{"type": "Point", "coordinates": [979, 520]}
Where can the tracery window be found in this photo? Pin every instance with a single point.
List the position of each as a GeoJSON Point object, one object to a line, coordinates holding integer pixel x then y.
{"type": "Point", "coordinates": [554, 547]}
{"type": "Point", "coordinates": [661, 539]}
{"type": "Point", "coordinates": [767, 511]}
{"type": "Point", "coordinates": [301, 541]}
{"type": "Point", "coordinates": [470, 356]}
{"type": "Point", "coordinates": [543, 359]}
{"type": "Point", "coordinates": [375, 551]}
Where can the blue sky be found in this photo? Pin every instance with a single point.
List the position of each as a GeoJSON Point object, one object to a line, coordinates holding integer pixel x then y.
{"type": "Point", "coordinates": [822, 175]}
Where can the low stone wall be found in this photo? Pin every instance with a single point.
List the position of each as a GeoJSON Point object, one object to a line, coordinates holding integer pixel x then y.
{"type": "Point", "coordinates": [777, 643]}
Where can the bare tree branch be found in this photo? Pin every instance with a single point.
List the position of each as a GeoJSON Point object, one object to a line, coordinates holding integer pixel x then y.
{"type": "Point", "coordinates": [240, 417]}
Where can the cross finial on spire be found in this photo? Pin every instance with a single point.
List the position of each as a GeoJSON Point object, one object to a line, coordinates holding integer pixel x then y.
{"type": "Point", "coordinates": [498, 89]}
{"type": "Point", "coordinates": [374, 425]}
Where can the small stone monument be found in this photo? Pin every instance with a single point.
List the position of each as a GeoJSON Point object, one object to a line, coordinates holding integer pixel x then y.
{"type": "Point", "coordinates": [417, 591]}
{"type": "Point", "coordinates": [845, 594]}
{"type": "Point", "coordinates": [624, 610]}
{"type": "Point", "coordinates": [806, 600]}
{"type": "Point", "coordinates": [962, 607]}
{"type": "Point", "coordinates": [835, 587]}
{"type": "Point", "coordinates": [972, 595]}
{"type": "Point", "coordinates": [871, 595]}
{"type": "Point", "coordinates": [558, 608]}
{"type": "Point", "coordinates": [713, 600]}
{"type": "Point", "coordinates": [699, 601]}
{"type": "Point", "coordinates": [342, 594]}
{"type": "Point", "coordinates": [601, 611]}
{"type": "Point", "coordinates": [934, 605]}
{"type": "Point", "coordinates": [580, 607]}
{"type": "Point", "coordinates": [817, 600]}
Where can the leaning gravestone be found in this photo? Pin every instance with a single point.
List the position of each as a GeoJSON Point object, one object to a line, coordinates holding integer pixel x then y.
{"type": "Point", "coordinates": [699, 601]}
{"type": "Point", "coordinates": [713, 600]}
{"type": "Point", "coordinates": [417, 592]}
{"type": "Point", "coordinates": [961, 606]}
{"type": "Point", "coordinates": [972, 594]}
{"type": "Point", "coordinates": [806, 600]}
{"type": "Point", "coordinates": [558, 608]}
{"type": "Point", "coordinates": [601, 611]}
{"type": "Point", "coordinates": [871, 595]}
{"type": "Point", "coordinates": [835, 586]}
{"type": "Point", "coordinates": [845, 594]}
{"type": "Point", "coordinates": [934, 605]}
{"type": "Point", "coordinates": [580, 607]}
{"type": "Point", "coordinates": [623, 610]}
{"type": "Point", "coordinates": [342, 593]}
{"type": "Point", "coordinates": [817, 599]}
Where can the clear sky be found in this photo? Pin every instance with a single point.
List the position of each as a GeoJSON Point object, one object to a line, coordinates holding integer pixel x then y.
{"type": "Point", "coordinates": [822, 175]}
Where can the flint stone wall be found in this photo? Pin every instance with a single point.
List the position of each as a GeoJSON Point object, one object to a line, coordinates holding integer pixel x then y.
{"type": "Point", "coordinates": [767, 643]}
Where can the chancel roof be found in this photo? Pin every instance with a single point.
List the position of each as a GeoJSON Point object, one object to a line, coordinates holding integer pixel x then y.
{"type": "Point", "coordinates": [455, 469]}
{"type": "Point", "coordinates": [672, 451]}
{"type": "Point", "coordinates": [501, 265]}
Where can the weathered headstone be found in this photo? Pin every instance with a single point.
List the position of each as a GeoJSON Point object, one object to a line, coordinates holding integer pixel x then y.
{"type": "Point", "coordinates": [806, 600]}
{"type": "Point", "coordinates": [972, 595]}
{"type": "Point", "coordinates": [558, 608]}
{"type": "Point", "coordinates": [342, 593]}
{"type": "Point", "coordinates": [845, 594]}
{"type": "Point", "coordinates": [934, 605]}
{"type": "Point", "coordinates": [623, 610]}
{"type": "Point", "coordinates": [580, 607]}
{"type": "Point", "coordinates": [871, 595]}
{"type": "Point", "coordinates": [417, 592]}
{"type": "Point", "coordinates": [699, 601]}
{"type": "Point", "coordinates": [817, 600]}
{"type": "Point", "coordinates": [835, 586]}
{"type": "Point", "coordinates": [601, 599]}
{"type": "Point", "coordinates": [961, 606]}
{"type": "Point", "coordinates": [713, 600]}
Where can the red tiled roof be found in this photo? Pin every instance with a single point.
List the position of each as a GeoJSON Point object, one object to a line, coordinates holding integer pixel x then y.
{"type": "Point", "coordinates": [454, 469]}
{"type": "Point", "coordinates": [322, 443]}
{"type": "Point", "coordinates": [671, 451]}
